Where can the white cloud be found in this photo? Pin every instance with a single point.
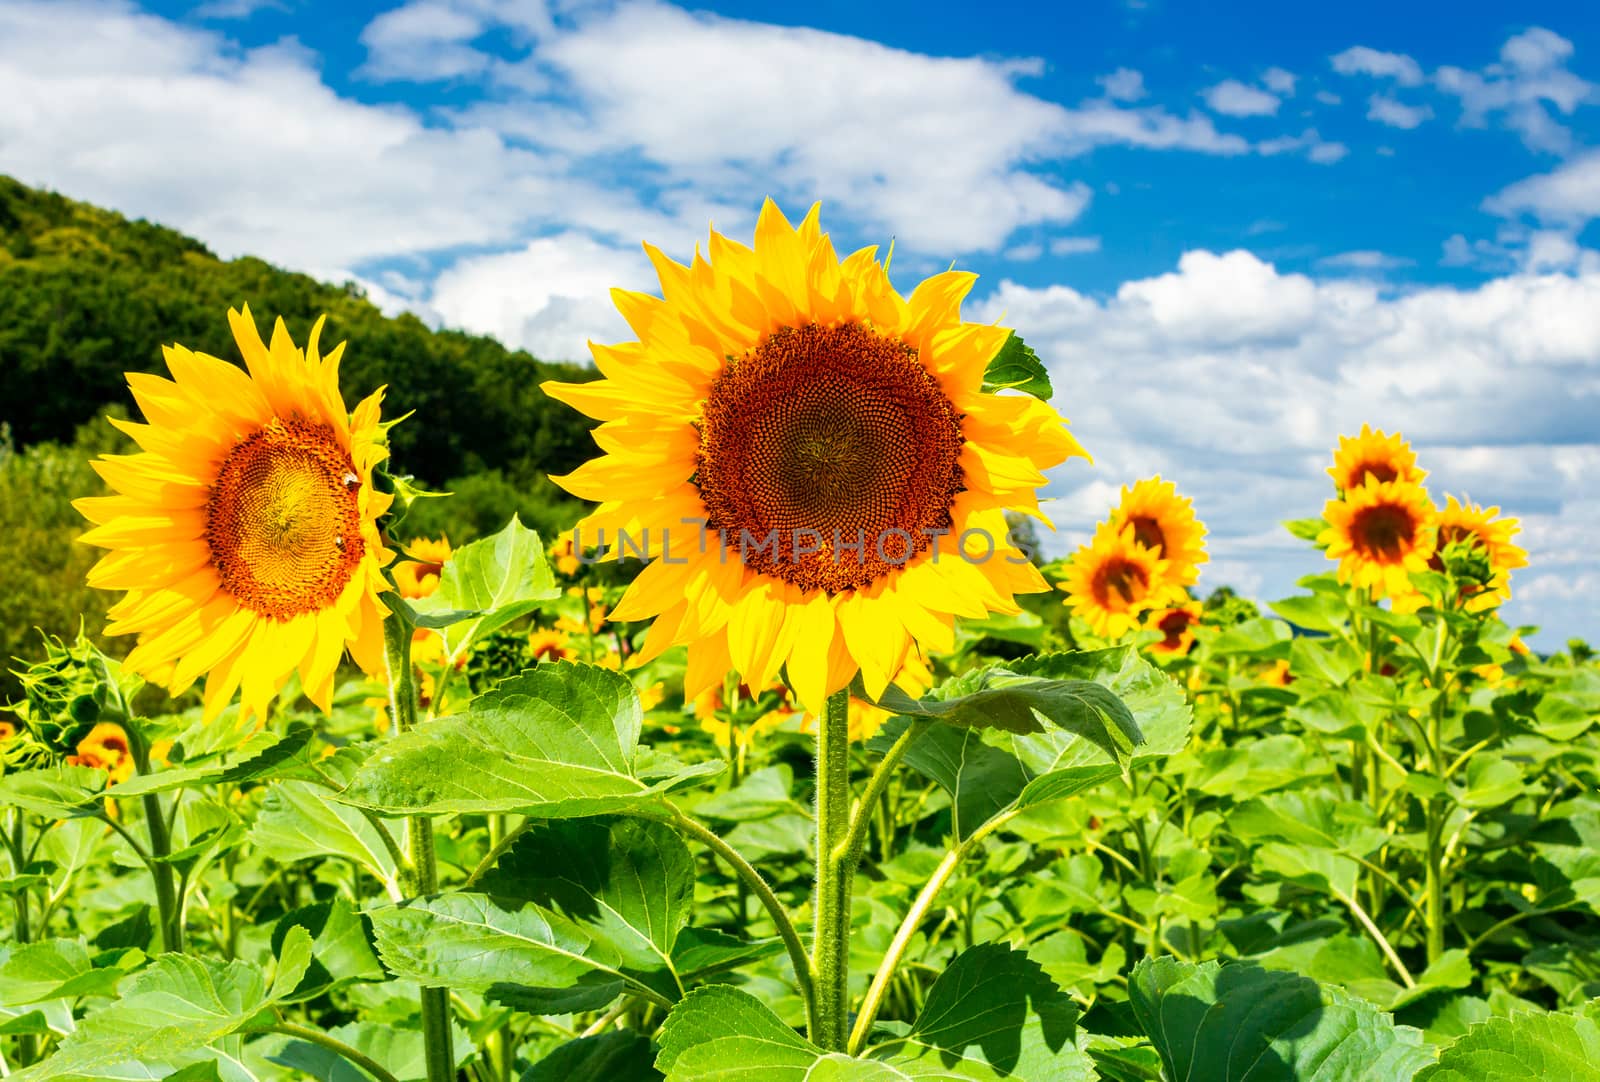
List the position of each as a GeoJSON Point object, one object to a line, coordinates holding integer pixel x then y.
{"type": "Point", "coordinates": [1025, 253]}
{"type": "Point", "coordinates": [1396, 114]}
{"type": "Point", "coordinates": [551, 297]}
{"type": "Point", "coordinates": [1235, 379]}
{"type": "Point", "coordinates": [1124, 84]}
{"type": "Point", "coordinates": [236, 9]}
{"type": "Point", "coordinates": [1328, 97]}
{"type": "Point", "coordinates": [1074, 245]}
{"type": "Point", "coordinates": [1318, 150]}
{"type": "Point", "coordinates": [1233, 98]}
{"type": "Point", "coordinates": [1363, 260]}
{"type": "Point", "coordinates": [1279, 81]}
{"type": "Point", "coordinates": [1361, 60]}
{"type": "Point", "coordinates": [1530, 80]}
{"type": "Point", "coordinates": [1569, 193]}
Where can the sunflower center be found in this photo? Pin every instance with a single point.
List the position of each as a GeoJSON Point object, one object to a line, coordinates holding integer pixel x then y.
{"type": "Point", "coordinates": [1383, 533]}
{"type": "Point", "coordinates": [1147, 531]}
{"type": "Point", "coordinates": [828, 456]}
{"type": "Point", "coordinates": [284, 519]}
{"type": "Point", "coordinates": [1119, 581]}
{"type": "Point", "coordinates": [1172, 627]}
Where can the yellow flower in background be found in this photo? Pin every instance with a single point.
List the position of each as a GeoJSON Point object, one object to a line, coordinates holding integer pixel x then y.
{"type": "Point", "coordinates": [1114, 580]}
{"type": "Point", "coordinates": [1164, 522]}
{"type": "Point", "coordinates": [545, 644]}
{"type": "Point", "coordinates": [417, 576]}
{"type": "Point", "coordinates": [245, 531]}
{"type": "Point", "coordinates": [7, 730]}
{"type": "Point", "coordinates": [1176, 625]}
{"type": "Point", "coordinates": [1380, 533]}
{"type": "Point", "coordinates": [710, 711]}
{"type": "Point", "coordinates": [1484, 529]}
{"type": "Point", "coordinates": [565, 556]}
{"type": "Point", "coordinates": [652, 696]}
{"type": "Point", "coordinates": [1374, 454]}
{"type": "Point", "coordinates": [105, 748]}
{"type": "Point", "coordinates": [1277, 674]}
{"type": "Point", "coordinates": [779, 392]}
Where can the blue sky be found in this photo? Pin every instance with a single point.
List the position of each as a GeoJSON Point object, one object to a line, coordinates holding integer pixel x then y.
{"type": "Point", "coordinates": [1234, 231]}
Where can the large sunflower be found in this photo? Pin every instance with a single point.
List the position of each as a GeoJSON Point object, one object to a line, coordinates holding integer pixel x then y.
{"type": "Point", "coordinates": [1164, 522]}
{"type": "Point", "coordinates": [1115, 579]}
{"type": "Point", "coordinates": [1374, 454]}
{"type": "Point", "coordinates": [245, 532]}
{"type": "Point", "coordinates": [1380, 533]}
{"type": "Point", "coordinates": [833, 439]}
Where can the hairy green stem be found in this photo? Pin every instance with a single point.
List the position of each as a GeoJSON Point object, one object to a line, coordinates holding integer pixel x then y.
{"type": "Point", "coordinates": [168, 904]}
{"type": "Point", "coordinates": [882, 775]}
{"type": "Point", "coordinates": [424, 872]}
{"type": "Point", "coordinates": [338, 1047]}
{"type": "Point", "coordinates": [830, 941]}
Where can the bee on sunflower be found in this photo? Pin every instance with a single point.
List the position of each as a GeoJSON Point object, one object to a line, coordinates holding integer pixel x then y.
{"type": "Point", "coordinates": [245, 529]}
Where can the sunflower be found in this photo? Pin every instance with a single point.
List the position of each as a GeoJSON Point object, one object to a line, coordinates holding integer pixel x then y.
{"type": "Point", "coordinates": [1277, 674]}
{"type": "Point", "coordinates": [1176, 625]}
{"type": "Point", "coordinates": [1374, 454]}
{"type": "Point", "coordinates": [105, 748]}
{"type": "Point", "coordinates": [1380, 533]}
{"type": "Point", "coordinates": [1483, 529]}
{"type": "Point", "coordinates": [565, 556]}
{"type": "Point", "coordinates": [245, 531]}
{"type": "Point", "coordinates": [417, 576]}
{"type": "Point", "coordinates": [7, 730]}
{"type": "Point", "coordinates": [1112, 581]}
{"type": "Point", "coordinates": [547, 644]}
{"type": "Point", "coordinates": [1164, 522]}
{"type": "Point", "coordinates": [811, 461]}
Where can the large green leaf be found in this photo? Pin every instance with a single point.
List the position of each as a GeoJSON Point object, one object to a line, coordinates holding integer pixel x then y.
{"type": "Point", "coordinates": [170, 1010]}
{"type": "Point", "coordinates": [559, 740]}
{"type": "Point", "coordinates": [300, 820]}
{"type": "Point", "coordinates": [993, 1014]}
{"type": "Point", "coordinates": [341, 948]}
{"type": "Point", "coordinates": [486, 585]}
{"type": "Point", "coordinates": [1239, 1021]}
{"type": "Point", "coordinates": [516, 952]}
{"type": "Point", "coordinates": [628, 882]}
{"type": "Point", "coordinates": [259, 756]}
{"type": "Point", "coordinates": [400, 1051]}
{"type": "Point", "coordinates": [55, 792]}
{"type": "Point", "coordinates": [720, 1033]}
{"type": "Point", "coordinates": [981, 779]}
{"type": "Point", "coordinates": [1532, 1045]}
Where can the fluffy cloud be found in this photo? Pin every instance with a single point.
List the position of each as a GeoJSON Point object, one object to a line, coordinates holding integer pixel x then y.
{"type": "Point", "coordinates": [1279, 81]}
{"type": "Point", "coordinates": [1568, 194]}
{"type": "Point", "coordinates": [1124, 84]}
{"type": "Point", "coordinates": [1362, 60]}
{"type": "Point", "coordinates": [1235, 379]}
{"type": "Point", "coordinates": [1529, 82]}
{"type": "Point", "coordinates": [1396, 114]}
{"type": "Point", "coordinates": [1233, 98]}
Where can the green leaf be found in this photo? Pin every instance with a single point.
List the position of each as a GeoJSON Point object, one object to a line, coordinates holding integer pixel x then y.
{"type": "Point", "coordinates": [761, 795]}
{"type": "Point", "coordinates": [1316, 612]}
{"type": "Point", "coordinates": [1306, 529]}
{"type": "Point", "coordinates": [1532, 1045]}
{"type": "Point", "coordinates": [720, 1033]}
{"type": "Point", "coordinates": [616, 1056]}
{"type": "Point", "coordinates": [299, 821]}
{"type": "Point", "coordinates": [399, 1050]}
{"type": "Point", "coordinates": [1018, 367]}
{"type": "Point", "coordinates": [341, 950]}
{"type": "Point", "coordinates": [256, 757]}
{"type": "Point", "coordinates": [559, 740]}
{"type": "Point", "coordinates": [176, 1006]}
{"type": "Point", "coordinates": [59, 969]}
{"type": "Point", "coordinates": [980, 779]}
{"type": "Point", "coordinates": [1024, 704]}
{"type": "Point", "coordinates": [55, 792]}
{"type": "Point", "coordinates": [1239, 1021]}
{"type": "Point", "coordinates": [1491, 781]}
{"type": "Point", "coordinates": [627, 882]}
{"type": "Point", "coordinates": [700, 952]}
{"type": "Point", "coordinates": [514, 952]}
{"type": "Point", "coordinates": [486, 585]}
{"type": "Point", "coordinates": [993, 1014]}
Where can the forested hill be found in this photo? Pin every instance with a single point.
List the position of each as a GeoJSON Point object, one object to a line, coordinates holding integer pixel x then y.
{"type": "Point", "coordinates": [86, 294]}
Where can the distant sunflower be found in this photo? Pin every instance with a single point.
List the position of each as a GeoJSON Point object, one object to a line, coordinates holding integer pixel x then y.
{"type": "Point", "coordinates": [245, 532]}
{"type": "Point", "coordinates": [1380, 533]}
{"type": "Point", "coordinates": [105, 748]}
{"type": "Point", "coordinates": [1114, 580]}
{"type": "Point", "coordinates": [417, 575]}
{"type": "Point", "coordinates": [829, 434]}
{"type": "Point", "coordinates": [1374, 454]}
{"type": "Point", "coordinates": [1164, 522]}
{"type": "Point", "coordinates": [1483, 530]}
{"type": "Point", "coordinates": [545, 644]}
{"type": "Point", "coordinates": [1176, 625]}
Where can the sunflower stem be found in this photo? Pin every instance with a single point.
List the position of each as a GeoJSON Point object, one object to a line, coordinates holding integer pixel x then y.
{"type": "Point", "coordinates": [168, 907]}
{"type": "Point", "coordinates": [830, 945]}
{"type": "Point", "coordinates": [424, 872]}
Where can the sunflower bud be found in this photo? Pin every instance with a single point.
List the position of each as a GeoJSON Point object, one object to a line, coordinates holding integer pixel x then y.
{"type": "Point", "coordinates": [71, 691]}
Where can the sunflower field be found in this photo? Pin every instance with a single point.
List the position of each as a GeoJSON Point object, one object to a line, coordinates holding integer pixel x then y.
{"type": "Point", "coordinates": [794, 759]}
